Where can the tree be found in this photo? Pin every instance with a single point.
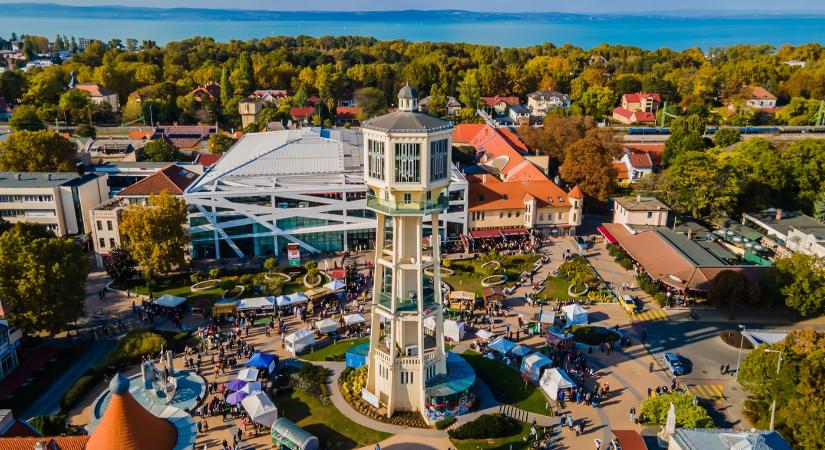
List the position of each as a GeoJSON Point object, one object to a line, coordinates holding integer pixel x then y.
{"type": "Point", "coordinates": [120, 265]}
{"type": "Point", "coordinates": [468, 91]}
{"type": "Point", "coordinates": [731, 288]}
{"type": "Point", "coordinates": [596, 101]}
{"type": "Point", "coordinates": [371, 101]}
{"type": "Point", "coordinates": [654, 410]}
{"type": "Point", "coordinates": [725, 137]}
{"type": "Point", "coordinates": [243, 77]}
{"type": "Point", "coordinates": [220, 143]}
{"type": "Point", "coordinates": [686, 134]}
{"type": "Point", "coordinates": [12, 84]}
{"type": "Point", "coordinates": [802, 283]}
{"type": "Point", "coordinates": [25, 118]}
{"type": "Point", "coordinates": [42, 279]}
{"type": "Point", "coordinates": [85, 130]}
{"type": "Point", "coordinates": [37, 151]}
{"type": "Point", "coordinates": [437, 105]}
{"type": "Point", "coordinates": [819, 207]}
{"type": "Point", "coordinates": [698, 185]}
{"type": "Point", "coordinates": [226, 86]}
{"type": "Point", "coordinates": [161, 150]}
{"type": "Point", "coordinates": [155, 236]}
{"type": "Point", "coordinates": [270, 264]}
{"type": "Point", "coordinates": [555, 135]}
{"type": "Point", "coordinates": [588, 163]}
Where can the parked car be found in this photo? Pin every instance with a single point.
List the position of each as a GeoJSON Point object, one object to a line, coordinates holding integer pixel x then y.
{"type": "Point", "coordinates": [629, 303]}
{"type": "Point", "coordinates": [582, 243]}
{"type": "Point", "coordinates": [674, 364]}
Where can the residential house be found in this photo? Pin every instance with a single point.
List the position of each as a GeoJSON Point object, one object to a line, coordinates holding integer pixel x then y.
{"type": "Point", "coordinates": [519, 114]}
{"type": "Point", "coordinates": [759, 98]}
{"type": "Point", "coordinates": [542, 102]}
{"type": "Point", "coordinates": [211, 91]}
{"type": "Point", "coordinates": [453, 106]}
{"type": "Point", "coordinates": [104, 149]}
{"type": "Point", "coordinates": [302, 114]}
{"type": "Point", "coordinates": [274, 96]}
{"type": "Point", "coordinates": [9, 343]}
{"type": "Point", "coordinates": [637, 107]}
{"type": "Point", "coordinates": [795, 63]}
{"type": "Point", "coordinates": [500, 104]}
{"type": "Point", "coordinates": [347, 100]}
{"type": "Point", "coordinates": [106, 217]}
{"type": "Point", "coordinates": [791, 230]}
{"type": "Point", "coordinates": [725, 439]}
{"type": "Point", "coordinates": [640, 211]}
{"type": "Point", "coordinates": [347, 115]}
{"type": "Point", "coordinates": [100, 94]}
{"type": "Point", "coordinates": [251, 106]}
{"type": "Point", "coordinates": [638, 164]}
{"type": "Point", "coordinates": [122, 174]}
{"type": "Point", "coordinates": [185, 137]}
{"type": "Point", "coordinates": [60, 201]}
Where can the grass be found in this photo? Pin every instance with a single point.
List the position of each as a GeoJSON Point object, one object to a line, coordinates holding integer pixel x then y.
{"type": "Point", "coordinates": [514, 442]}
{"type": "Point", "coordinates": [332, 428]}
{"type": "Point", "coordinates": [555, 288]}
{"type": "Point", "coordinates": [468, 275]}
{"type": "Point", "coordinates": [506, 384]}
{"type": "Point", "coordinates": [337, 349]}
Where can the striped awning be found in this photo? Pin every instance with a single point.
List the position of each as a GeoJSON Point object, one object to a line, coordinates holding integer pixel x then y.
{"type": "Point", "coordinates": [608, 237]}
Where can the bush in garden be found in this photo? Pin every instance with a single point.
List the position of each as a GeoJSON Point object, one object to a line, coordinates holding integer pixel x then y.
{"type": "Point", "coordinates": [654, 411]}
{"type": "Point", "coordinates": [485, 427]}
{"type": "Point", "coordinates": [444, 423]}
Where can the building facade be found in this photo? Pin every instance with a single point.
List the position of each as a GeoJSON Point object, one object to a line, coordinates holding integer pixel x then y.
{"type": "Point", "coordinates": [542, 102]}
{"type": "Point", "coordinates": [60, 201]}
{"type": "Point", "coordinates": [9, 342]}
{"type": "Point", "coordinates": [640, 211]}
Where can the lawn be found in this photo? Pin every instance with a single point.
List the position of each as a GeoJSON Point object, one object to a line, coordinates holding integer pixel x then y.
{"type": "Point", "coordinates": [337, 349]}
{"type": "Point", "coordinates": [332, 428]}
{"type": "Point", "coordinates": [555, 288]}
{"type": "Point", "coordinates": [514, 442]}
{"type": "Point", "coordinates": [468, 275]}
{"type": "Point", "coordinates": [506, 384]}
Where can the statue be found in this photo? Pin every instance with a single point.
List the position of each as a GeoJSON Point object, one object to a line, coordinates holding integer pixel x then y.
{"type": "Point", "coordinates": [670, 425]}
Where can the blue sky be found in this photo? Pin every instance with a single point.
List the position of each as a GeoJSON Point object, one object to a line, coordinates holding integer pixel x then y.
{"type": "Point", "coordinates": [585, 6]}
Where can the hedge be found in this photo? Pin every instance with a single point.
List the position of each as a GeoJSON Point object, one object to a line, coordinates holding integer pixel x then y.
{"type": "Point", "coordinates": [444, 423]}
{"type": "Point", "coordinates": [74, 395]}
{"type": "Point", "coordinates": [486, 426]}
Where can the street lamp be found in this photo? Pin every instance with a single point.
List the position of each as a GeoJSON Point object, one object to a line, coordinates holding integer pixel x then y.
{"type": "Point", "coordinates": [778, 366]}
{"type": "Point", "coordinates": [741, 343]}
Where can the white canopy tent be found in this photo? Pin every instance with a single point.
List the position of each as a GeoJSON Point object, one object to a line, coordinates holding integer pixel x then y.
{"type": "Point", "coordinates": [300, 340]}
{"type": "Point", "coordinates": [252, 387]}
{"type": "Point", "coordinates": [352, 319]}
{"type": "Point", "coordinates": [533, 363]}
{"type": "Point", "coordinates": [485, 335]}
{"type": "Point", "coordinates": [326, 326]}
{"type": "Point", "coordinates": [335, 285]}
{"type": "Point", "coordinates": [260, 409]}
{"type": "Point", "coordinates": [501, 345]}
{"type": "Point", "coordinates": [553, 380]}
{"type": "Point", "coordinates": [169, 301]}
{"type": "Point", "coordinates": [248, 304]}
{"type": "Point", "coordinates": [576, 315]}
{"type": "Point", "coordinates": [291, 299]}
{"type": "Point", "coordinates": [548, 317]}
{"type": "Point", "coordinates": [453, 330]}
{"type": "Point", "coordinates": [248, 374]}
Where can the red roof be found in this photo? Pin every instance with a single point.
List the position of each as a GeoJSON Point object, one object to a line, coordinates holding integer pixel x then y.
{"type": "Point", "coordinates": [141, 134]}
{"type": "Point", "coordinates": [94, 90]}
{"type": "Point", "coordinates": [206, 159]}
{"type": "Point", "coordinates": [465, 132]}
{"type": "Point", "coordinates": [482, 234]}
{"type": "Point", "coordinates": [654, 151]}
{"type": "Point", "coordinates": [621, 170]}
{"type": "Point", "coordinates": [493, 194]}
{"type": "Point", "coordinates": [211, 89]}
{"type": "Point", "coordinates": [52, 443]}
{"type": "Point", "coordinates": [760, 93]}
{"type": "Point", "coordinates": [639, 96]}
{"type": "Point", "coordinates": [299, 112]}
{"type": "Point", "coordinates": [630, 440]}
{"type": "Point", "coordinates": [347, 112]}
{"type": "Point", "coordinates": [492, 101]}
{"type": "Point", "coordinates": [640, 160]}
{"type": "Point", "coordinates": [575, 193]}
{"type": "Point", "coordinates": [173, 179]}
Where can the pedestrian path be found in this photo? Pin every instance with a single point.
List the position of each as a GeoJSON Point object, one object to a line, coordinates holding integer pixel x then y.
{"type": "Point", "coordinates": [649, 315]}
{"type": "Point", "coordinates": [712, 392]}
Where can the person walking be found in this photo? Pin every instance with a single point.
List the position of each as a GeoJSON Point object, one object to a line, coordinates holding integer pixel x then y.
{"type": "Point", "coordinates": [722, 369]}
{"type": "Point", "coordinates": [650, 367]}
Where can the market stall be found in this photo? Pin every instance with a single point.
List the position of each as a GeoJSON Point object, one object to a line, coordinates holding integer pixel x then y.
{"type": "Point", "coordinates": [169, 301]}
{"type": "Point", "coordinates": [249, 374]}
{"type": "Point", "coordinates": [554, 380]}
{"type": "Point", "coordinates": [326, 325]}
{"type": "Point", "coordinates": [520, 350]}
{"type": "Point", "coordinates": [260, 409]}
{"type": "Point", "coordinates": [262, 361]}
{"type": "Point", "coordinates": [501, 346]}
{"type": "Point", "coordinates": [576, 315]}
{"type": "Point", "coordinates": [354, 319]}
{"type": "Point", "coordinates": [300, 340]}
{"type": "Point", "coordinates": [453, 330]}
{"type": "Point", "coordinates": [291, 299]}
{"type": "Point", "coordinates": [533, 365]}
{"type": "Point", "coordinates": [484, 335]}
{"type": "Point", "coordinates": [224, 306]}
{"type": "Point", "coordinates": [255, 303]}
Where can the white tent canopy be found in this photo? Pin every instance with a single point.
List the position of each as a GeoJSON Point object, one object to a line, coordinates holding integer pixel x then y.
{"type": "Point", "coordinates": [547, 316]}
{"type": "Point", "coordinates": [454, 330]}
{"type": "Point", "coordinates": [248, 374]}
{"type": "Point", "coordinates": [260, 409]}
{"type": "Point", "coordinates": [484, 334]}
{"type": "Point", "coordinates": [553, 380]}
{"type": "Point", "coordinates": [533, 363]}
{"type": "Point", "coordinates": [352, 319]}
{"type": "Point", "coordinates": [300, 340]}
{"type": "Point", "coordinates": [252, 387]}
{"type": "Point", "coordinates": [501, 345]}
{"type": "Point", "coordinates": [291, 299]}
{"type": "Point", "coordinates": [169, 301]}
{"type": "Point", "coordinates": [247, 304]}
{"type": "Point", "coordinates": [575, 314]}
{"type": "Point", "coordinates": [326, 326]}
{"type": "Point", "coordinates": [335, 285]}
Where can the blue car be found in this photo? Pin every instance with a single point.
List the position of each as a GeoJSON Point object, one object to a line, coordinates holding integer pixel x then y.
{"type": "Point", "coordinates": [674, 364]}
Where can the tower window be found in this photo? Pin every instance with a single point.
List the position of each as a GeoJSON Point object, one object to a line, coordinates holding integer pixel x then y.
{"type": "Point", "coordinates": [438, 160]}
{"type": "Point", "coordinates": [407, 163]}
{"type": "Point", "coordinates": [375, 151]}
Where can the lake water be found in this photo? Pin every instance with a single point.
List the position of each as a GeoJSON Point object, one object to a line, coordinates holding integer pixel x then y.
{"type": "Point", "coordinates": [645, 32]}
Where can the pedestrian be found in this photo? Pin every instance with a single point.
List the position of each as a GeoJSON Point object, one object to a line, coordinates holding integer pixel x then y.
{"type": "Point", "coordinates": [650, 367]}
{"type": "Point", "coordinates": [570, 422]}
{"type": "Point", "coordinates": [727, 369]}
{"type": "Point", "coordinates": [580, 429]}
{"type": "Point", "coordinates": [562, 420]}
{"type": "Point", "coordinates": [377, 446]}
{"type": "Point", "coordinates": [200, 427]}
{"type": "Point", "coordinates": [598, 443]}
{"type": "Point", "coordinates": [722, 369]}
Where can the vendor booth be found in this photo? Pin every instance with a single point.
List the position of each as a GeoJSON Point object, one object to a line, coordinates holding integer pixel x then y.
{"type": "Point", "coordinates": [224, 306]}
{"type": "Point", "coordinates": [255, 303]}
{"type": "Point", "coordinates": [462, 300]}
{"type": "Point", "coordinates": [555, 380]}
{"type": "Point", "coordinates": [520, 350]}
{"type": "Point", "coordinates": [501, 346]}
{"type": "Point", "coordinates": [291, 299]}
{"type": "Point", "coordinates": [576, 315]}
{"type": "Point", "coordinates": [453, 330]}
{"type": "Point", "coordinates": [354, 319]}
{"type": "Point", "coordinates": [326, 326]}
{"type": "Point", "coordinates": [169, 301]}
{"type": "Point", "coordinates": [249, 374]}
{"type": "Point", "coordinates": [335, 285]}
{"type": "Point", "coordinates": [260, 409]}
{"type": "Point", "coordinates": [492, 295]}
{"type": "Point", "coordinates": [201, 309]}
{"type": "Point", "coordinates": [262, 361]}
{"type": "Point", "coordinates": [533, 364]}
{"type": "Point", "coordinates": [286, 433]}
{"type": "Point", "coordinates": [317, 293]}
{"type": "Point", "coordinates": [300, 341]}
{"type": "Point", "coordinates": [562, 341]}
{"type": "Point", "coordinates": [484, 335]}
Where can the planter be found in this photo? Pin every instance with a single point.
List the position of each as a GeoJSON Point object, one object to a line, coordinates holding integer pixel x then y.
{"type": "Point", "coordinates": [491, 263]}
{"type": "Point", "coordinates": [205, 285]}
{"type": "Point", "coordinates": [597, 332]}
{"type": "Point", "coordinates": [276, 275]}
{"type": "Point", "coordinates": [493, 280]}
{"type": "Point", "coordinates": [443, 271]}
{"type": "Point", "coordinates": [321, 276]}
{"type": "Point", "coordinates": [577, 294]}
{"type": "Point", "coordinates": [235, 292]}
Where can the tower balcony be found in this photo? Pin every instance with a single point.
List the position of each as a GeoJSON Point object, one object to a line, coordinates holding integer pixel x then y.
{"type": "Point", "coordinates": [413, 208]}
{"type": "Point", "coordinates": [407, 305]}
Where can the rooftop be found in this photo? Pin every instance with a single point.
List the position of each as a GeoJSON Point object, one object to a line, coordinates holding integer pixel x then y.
{"type": "Point", "coordinates": [35, 180]}
{"type": "Point", "coordinates": [781, 222]}
{"type": "Point", "coordinates": [173, 179]}
{"type": "Point", "coordinates": [641, 204]}
{"type": "Point", "coordinates": [407, 121]}
{"type": "Point", "coordinates": [727, 439]}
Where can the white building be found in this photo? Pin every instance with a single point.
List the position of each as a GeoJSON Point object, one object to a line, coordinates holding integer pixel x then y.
{"type": "Point", "coordinates": [726, 439]}
{"type": "Point", "coordinates": [794, 230]}
{"type": "Point", "coordinates": [640, 211]}
{"type": "Point", "coordinates": [301, 186]}
{"type": "Point", "coordinates": [9, 342]}
{"type": "Point", "coordinates": [542, 102]}
{"type": "Point", "coordinates": [61, 201]}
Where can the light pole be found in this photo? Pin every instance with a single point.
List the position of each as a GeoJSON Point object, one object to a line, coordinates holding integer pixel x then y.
{"type": "Point", "coordinates": [778, 366]}
{"type": "Point", "coordinates": [739, 357]}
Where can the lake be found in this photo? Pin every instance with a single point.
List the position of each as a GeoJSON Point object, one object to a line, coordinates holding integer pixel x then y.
{"type": "Point", "coordinates": [645, 32]}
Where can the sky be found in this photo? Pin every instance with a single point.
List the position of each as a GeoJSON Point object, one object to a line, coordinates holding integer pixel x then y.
{"type": "Point", "coordinates": [580, 6]}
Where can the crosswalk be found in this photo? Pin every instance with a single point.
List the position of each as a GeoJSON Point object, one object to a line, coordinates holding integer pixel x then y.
{"type": "Point", "coordinates": [648, 315]}
{"type": "Point", "coordinates": [712, 392]}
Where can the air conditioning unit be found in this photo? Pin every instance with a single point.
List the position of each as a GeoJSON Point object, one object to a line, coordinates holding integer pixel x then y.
{"type": "Point", "coordinates": [411, 350]}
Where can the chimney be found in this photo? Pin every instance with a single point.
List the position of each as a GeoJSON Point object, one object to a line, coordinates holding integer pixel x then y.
{"type": "Point", "coordinates": [39, 445]}
{"type": "Point", "coordinates": [778, 215]}
{"type": "Point", "coordinates": [81, 169]}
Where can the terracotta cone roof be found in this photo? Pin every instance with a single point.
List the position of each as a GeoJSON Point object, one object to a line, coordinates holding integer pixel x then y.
{"type": "Point", "coordinates": [126, 425]}
{"type": "Point", "coordinates": [576, 193]}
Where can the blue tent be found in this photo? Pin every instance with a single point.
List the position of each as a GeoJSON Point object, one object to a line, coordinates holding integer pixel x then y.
{"type": "Point", "coordinates": [521, 350]}
{"type": "Point", "coordinates": [357, 355]}
{"type": "Point", "coordinates": [501, 345]}
{"type": "Point", "coordinates": [262, 361]}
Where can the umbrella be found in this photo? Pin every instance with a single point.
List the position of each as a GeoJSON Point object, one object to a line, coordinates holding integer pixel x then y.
{"type": "Point", "coordinates": [248, 374]}
{"type": "Point", "coordinates": [236, 397]}
{"type": "Point", "coordinates": [235, 385]}
{"type": "Point", "coordinates": [252, 387]}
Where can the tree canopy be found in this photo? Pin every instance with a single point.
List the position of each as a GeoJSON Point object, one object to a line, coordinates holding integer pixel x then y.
{"type": "Point", "coordinates": [588, 162]}
{"type": "Point", "coordinates": [25, 118]}
{"type": "Point", "coordinates": [37, 151]}
{"type": "Point", "coordinates": [160, 150]}
{"type": "Point", "coordinates": [654, 410]}
{"type": "Point", "coordinates": [219, 143]}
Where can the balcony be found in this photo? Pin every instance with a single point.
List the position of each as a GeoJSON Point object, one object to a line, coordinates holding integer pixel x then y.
{"type": "Point", "coordinates": [407, 304]}
{"type": "Point", "coordinates": [413, 208]}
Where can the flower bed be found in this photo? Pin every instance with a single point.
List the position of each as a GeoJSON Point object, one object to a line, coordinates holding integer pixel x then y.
{"type": "Point", "coordinates": [206, 285]}
{"type": "Point", "coordinates": [491, 263]}
{"type": "Point", "coordinates": [571, 291]}
{"type": "Point", "coordinates": [443, 271]}
{"type": "Point", "coordinates": [276, 275]}
{"type": "Point", "coordinates": [493, 280]}
{"type": "Point", "coordinates": [586, 334]}
{"type": "Point", "coordinates": [235, 292]}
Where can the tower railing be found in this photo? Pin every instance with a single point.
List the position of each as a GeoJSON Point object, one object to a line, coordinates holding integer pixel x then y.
{"type": "Point", "coordinates": [414, 207]}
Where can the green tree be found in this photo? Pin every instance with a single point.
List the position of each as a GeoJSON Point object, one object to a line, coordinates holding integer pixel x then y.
{"type": "Point", "coordinates": [119, 265]}
{"type": "Point", "coordinates": [37, 151]}
{"type": "Point", "coordinates": [243, 77]}
{"type": "Point", "coordinates": [725, 137]}
{"type": "Point", "coordinates": [42, 279]}
{"type": "Point", "coordinates": [437, 105]}
{"type": "Point", "coordinates": [12, 85]}
{"type": "Point", "coordinates": [25, 118]}
{"type": "Point", "coordinates": [654, 410]}
{"type": "Point", "coordinates": [686, 135]}
{"type": "Point", "coordinates": [226, 86]}
{"type": "Point", "coordinates": [371, 101]}
{"type": "Point", "coordinates": [161, 150]}
{"type": "Point", "coordinates": [596, 101]}
{"type": "Point", "coordinates": [802, 279]}
{"type": "Point", "coordinates": [85, 130]}
{"type": "Point", "coordinates": [270, 264]}
{"type": "Point", "coordinates": [766, 182]}
{"type": "Point", "coordinates": [45, 87]}
{"type": "Point", "coordinates": [469, 92]}
{"type": "Point", "coordinates": [155, 235]}
{"type": "Point", "coordinates": [220, 143]}
{"type": "Point", "coordinates": [698, 185]}
{"type": "Point", "coordinates": [805, 163]}
{"type": "Point", "coordinates": [798, 112]}
{"type": "Point", "coordinates": [819, 207]}
{"type": "Point", "coordinates": [588, 163]}
{"type": "Point", "coordinates": [731, 288]}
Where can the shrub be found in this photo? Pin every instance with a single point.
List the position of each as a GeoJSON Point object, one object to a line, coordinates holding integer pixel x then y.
{"type": "Point", "coordinates": [49, 425]}
{"type": "Point", "coordinates": [485, 427]}
{"type": "Point", "coordinates": [593, 336]}
{"type": "Point", "coordinates": [353, 382]}
{"type": "Point", "coordinates": [654, 411]}
{"type": "Point", "coordinates": [647, 285]}
{"type": "Point", "coordinates": [660, 298]}
{"type": "Point", "coordinates": [214, 273]}
{"type": "Point", "coordinates": [311, 264]}
{"type": "Point", "coordinates": [444, 423]}
{"type": "Point", "coordinates": [228, 285]}
{"type": "Point", "coordinates": [447, 263]}
{"type": "Point", "coordinates": [133, 346]}
{"type": "Point", "coordinates": [195, 277]}
{"type": "Point", "coordinates": [270, 264]}
{"type": "Point", "coordinates": [74, 395]}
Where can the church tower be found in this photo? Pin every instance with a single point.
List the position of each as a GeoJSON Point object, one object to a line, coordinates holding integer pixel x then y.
{"type": "Point", "coordinates": [407, 172]}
